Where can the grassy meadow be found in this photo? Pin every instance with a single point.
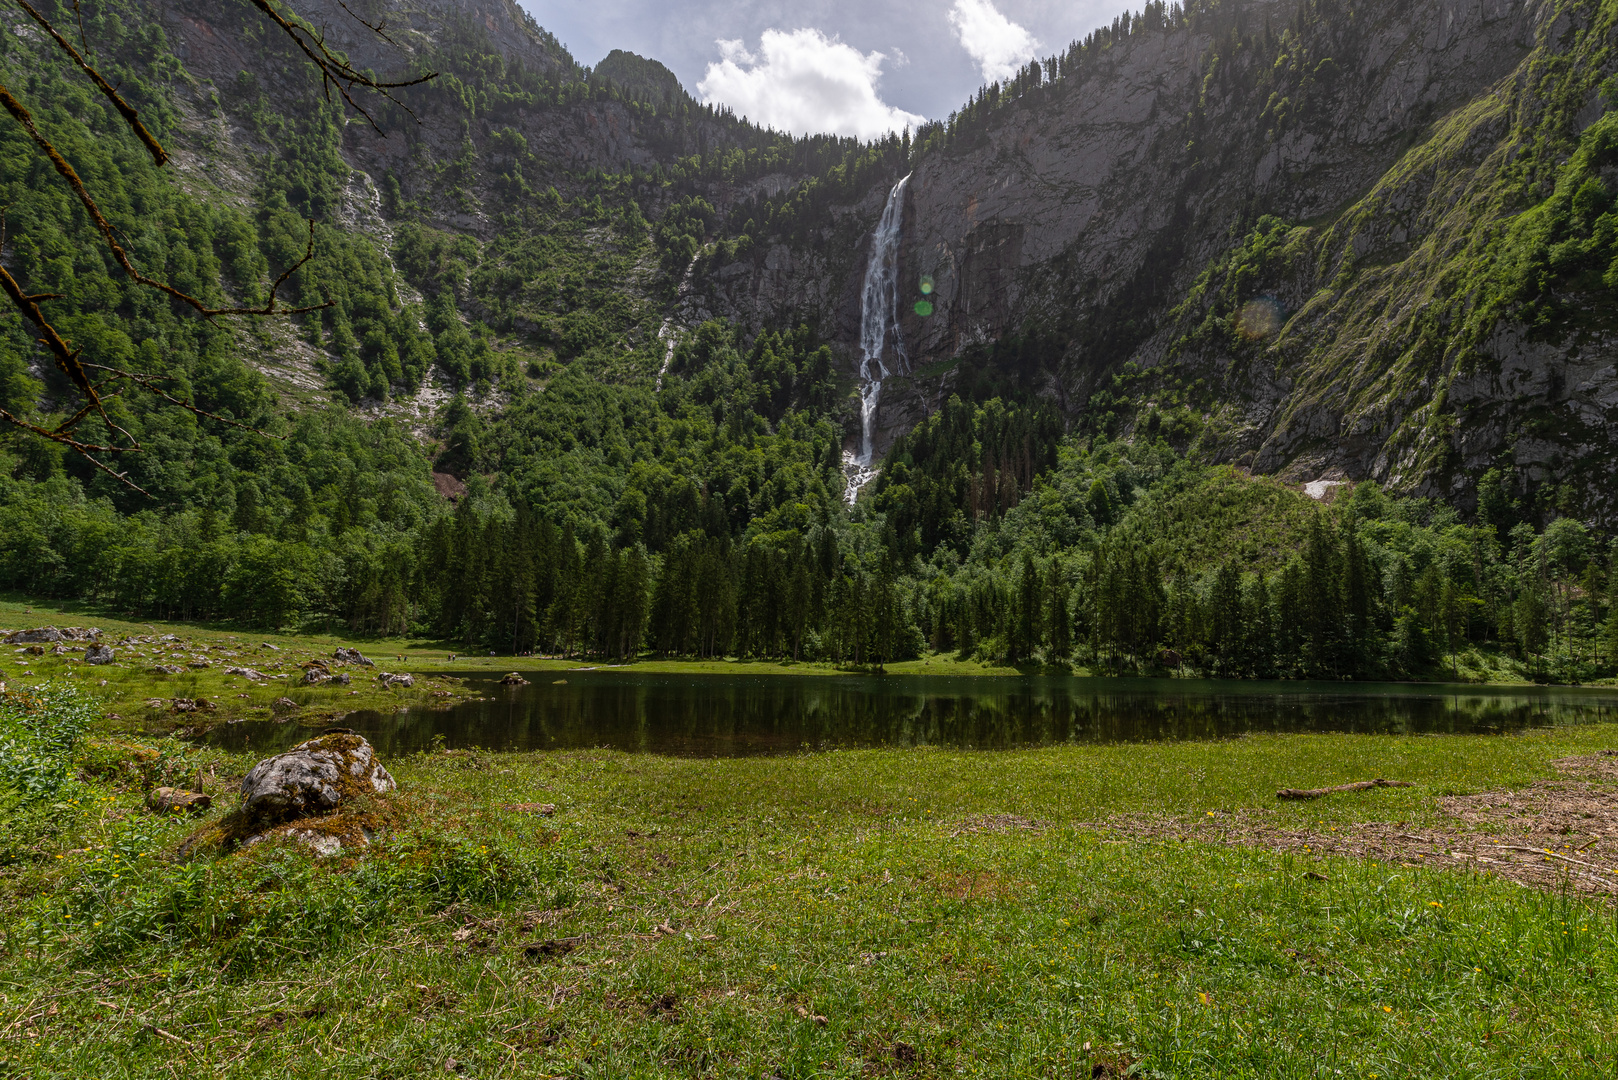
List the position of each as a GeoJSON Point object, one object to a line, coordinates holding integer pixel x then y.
{"type": "Point", "coordinates": [923, 913]}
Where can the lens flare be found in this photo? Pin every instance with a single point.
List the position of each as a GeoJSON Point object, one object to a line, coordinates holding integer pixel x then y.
{"type": "Point", "coordinates": [926, 285]}
{"type": "Point", "coordinates": [1261, 318]}
{"type": "Point", "coordinates": [923, 308]}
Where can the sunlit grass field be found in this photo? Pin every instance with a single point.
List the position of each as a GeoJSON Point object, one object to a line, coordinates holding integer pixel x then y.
{"type": "Point", "coordinates": [908, 913]}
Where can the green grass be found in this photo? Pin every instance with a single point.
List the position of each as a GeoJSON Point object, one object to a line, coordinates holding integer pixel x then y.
{"type": "Point", "coordinates": [833, 886]}
{"type": "Point", "coordinates": [125, 685]}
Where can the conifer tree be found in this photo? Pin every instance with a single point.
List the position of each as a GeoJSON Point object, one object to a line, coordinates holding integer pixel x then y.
{"type": "Point", "coordinates": [1057, 620]}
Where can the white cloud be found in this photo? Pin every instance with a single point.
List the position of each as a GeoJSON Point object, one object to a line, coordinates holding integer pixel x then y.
{"type": "Point", "coordinates": [804, 82]}
{"type": "Point", "coordinates": [999, 45]}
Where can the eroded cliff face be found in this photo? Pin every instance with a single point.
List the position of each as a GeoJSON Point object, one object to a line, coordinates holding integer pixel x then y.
{"type": "Point", "coordinates": [1081, 220]}
{"type": "Point", "coordinates": [566, 145]}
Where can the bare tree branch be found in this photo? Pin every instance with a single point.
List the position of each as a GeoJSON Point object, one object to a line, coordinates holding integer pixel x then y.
{"type": "Point", "coordinates": [79, 12]}
{"type": "Point", "coordinates": [63, 169]}
{"type": "Point", "coordinates": [85, 450]}
{"type": "Point", "coordinates": [380, 28]}
{"type": "Point", "coordinates": [67, 359]}
{"type": "Point", "coordinates": [125, 109]}
{"type": "Point", "coordinates": [147, 382]}
{"type": "Point", "coordinates": [336, 71]}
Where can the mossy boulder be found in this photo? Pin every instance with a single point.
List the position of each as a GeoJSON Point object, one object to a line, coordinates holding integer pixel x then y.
{"type": "Point", "coordinates": [314, 777]}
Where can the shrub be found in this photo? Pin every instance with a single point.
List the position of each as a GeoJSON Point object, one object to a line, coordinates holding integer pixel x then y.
{"type": "Point", "coordinates": [39, 732]}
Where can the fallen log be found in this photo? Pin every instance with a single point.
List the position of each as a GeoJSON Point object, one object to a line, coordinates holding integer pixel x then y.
{"type": "Point", "coordinates": [1315, 793]}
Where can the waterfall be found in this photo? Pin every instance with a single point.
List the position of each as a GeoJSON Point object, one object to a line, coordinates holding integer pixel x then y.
{"type": "Point", "coordinates": [879, 312]}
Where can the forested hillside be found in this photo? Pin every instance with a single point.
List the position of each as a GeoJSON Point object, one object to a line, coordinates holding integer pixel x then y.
{"type": "Point", "coordinates": [533, 416]}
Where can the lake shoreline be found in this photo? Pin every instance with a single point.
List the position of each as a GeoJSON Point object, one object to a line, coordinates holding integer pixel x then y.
{"type": "Point", "coordinates": [132, 682]}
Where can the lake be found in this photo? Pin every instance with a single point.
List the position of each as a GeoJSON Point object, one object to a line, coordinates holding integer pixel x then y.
{"type": "Point", "coordinates": [737, 715]}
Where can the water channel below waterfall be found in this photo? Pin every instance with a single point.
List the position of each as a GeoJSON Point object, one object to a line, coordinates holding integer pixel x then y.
{"type": "Point", "coordinates": [738, 715]}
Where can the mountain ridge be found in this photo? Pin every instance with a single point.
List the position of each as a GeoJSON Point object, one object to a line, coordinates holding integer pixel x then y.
{"type": "Point", "coordinates": [1084, 217]}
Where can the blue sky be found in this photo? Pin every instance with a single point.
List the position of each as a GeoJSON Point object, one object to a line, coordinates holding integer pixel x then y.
{"type": "Point", "coordinates": [853, 66]}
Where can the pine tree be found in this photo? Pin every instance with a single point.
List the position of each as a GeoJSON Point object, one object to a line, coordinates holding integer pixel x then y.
{"type": "Point", "coordinates": [1058, 621]}
{"type": "Point", "coordinates": [1025, 628]}
{"type": "Point", "coordinates": [1225, 629]}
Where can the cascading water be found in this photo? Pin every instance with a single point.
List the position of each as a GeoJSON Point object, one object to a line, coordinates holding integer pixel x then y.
{"type": "Point", "coordinates": [879, 313]}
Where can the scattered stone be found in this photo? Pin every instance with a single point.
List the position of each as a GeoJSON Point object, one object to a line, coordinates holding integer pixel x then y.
{"type": "Point", "coordinates": [35, 650]}
{"type": "Point", "coordinates": [246, 673]}
{"type": "Point", "coordinates": [513, 679]}
{"type": "Point", "coordinates": [390, 681]}
{"type": "Point", "coordinates": [48, 634]}
{"type": "Point", "coordinates": [58, 649]}
{"type": "Point", "coordinates": [199, 665]}
{"type": "Point", "coordinates": [155, 703]}
{"type": "Point", "coordinates": [267, 645]}
{"type": "Point", "coordinates": [313, 777]}
{"type": "Point", "coordinates": [98, 654]}
{"type": "Point", "coordinates": [315, 676]}
{"type": "Point", "coordinates": [284, 704]}
{"type": "Point", "coordinates": [168, 669]}
{"type": "Point", "coordinates": [317, 664]}
{"type": "Point", "coordinates": [167, 800]}
{"type": "Point", "coordinates": [351, 656]}
{"type": "Point", "coordinates": [28, 637]}
{"type": "Point", "coordinates": [189, 705]}
{"type": "Point", "coordinates": [341, 678]}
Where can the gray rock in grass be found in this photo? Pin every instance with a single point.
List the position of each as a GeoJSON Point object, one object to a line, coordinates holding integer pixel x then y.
{"type": "Point", "coordinates": [314, 777]}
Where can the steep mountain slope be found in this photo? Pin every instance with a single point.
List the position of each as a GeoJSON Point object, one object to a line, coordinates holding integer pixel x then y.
{"type": "Point", "coordinates": [1293, 236]}
{"type": "Point", "coordinates": [1315, 239]}
{"type": "Point", "coordinates": [1309, 239]}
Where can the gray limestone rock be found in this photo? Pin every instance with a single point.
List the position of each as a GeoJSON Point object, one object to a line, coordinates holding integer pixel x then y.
{"type": "Point", "coordinates": [98, 654]}
{"type": "Point", "coordinates": [313, 777]}
{"type": "Point", "coordinates": [30, 637]}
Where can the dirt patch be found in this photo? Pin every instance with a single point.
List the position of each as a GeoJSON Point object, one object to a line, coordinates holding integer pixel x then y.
{"type": "Point", "coordinates": [1547, 834]}
{"type": "Point", "coordinates": [993, 823]}
{"type": "Point", "coordinates": [448, 487]}
{"type": "Point", "coordinates": [978, 886]}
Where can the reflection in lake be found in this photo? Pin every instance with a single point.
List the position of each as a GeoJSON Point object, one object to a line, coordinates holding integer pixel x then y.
{"type": "Point", "coordinates": [736, 715]}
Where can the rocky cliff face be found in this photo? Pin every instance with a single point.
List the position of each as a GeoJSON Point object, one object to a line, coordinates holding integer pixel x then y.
{"type": "Point", "coordinates": [1102, 220]}
{"type": "Point", "coordinates": [566, 143]}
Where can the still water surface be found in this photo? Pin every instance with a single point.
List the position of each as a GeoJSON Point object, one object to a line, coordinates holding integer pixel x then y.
{"type": "Point", "coordinates": [738, 715]}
